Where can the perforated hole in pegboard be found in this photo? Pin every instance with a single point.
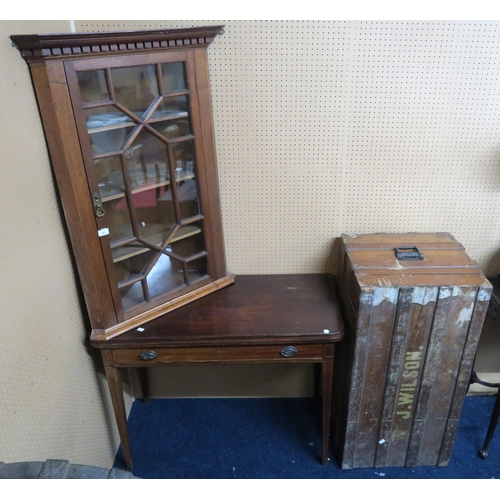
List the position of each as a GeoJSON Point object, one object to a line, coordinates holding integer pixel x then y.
{"type": "Point", "coordinates": [324, 127]}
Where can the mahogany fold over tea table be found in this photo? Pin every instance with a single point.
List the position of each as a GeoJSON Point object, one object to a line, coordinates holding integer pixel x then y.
{"type": "Point", "coordinates": [259, 319]}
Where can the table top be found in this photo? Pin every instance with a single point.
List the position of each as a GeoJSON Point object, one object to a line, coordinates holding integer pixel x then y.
{"type": "Point", "coordinates": [255, 310]}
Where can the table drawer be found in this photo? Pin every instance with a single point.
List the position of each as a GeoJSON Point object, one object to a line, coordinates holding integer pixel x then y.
{"type": "Point", "coordinates": [187, 355]}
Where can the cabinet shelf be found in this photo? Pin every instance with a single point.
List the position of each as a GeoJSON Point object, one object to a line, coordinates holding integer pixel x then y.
{"type": "Point", "coordinates": [112, 187]}
{"type": "Point", "coordinates": [155, 234]}
{"type": "Point", "coordinates": [106, 122]}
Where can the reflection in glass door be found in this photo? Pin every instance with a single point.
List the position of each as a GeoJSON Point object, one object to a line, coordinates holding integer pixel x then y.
{"type": "Point", "coordinates": [142, 141]}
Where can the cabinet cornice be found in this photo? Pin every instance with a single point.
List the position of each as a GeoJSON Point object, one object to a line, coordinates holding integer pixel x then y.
{"type": "Point", "coordinates": [85, 44]}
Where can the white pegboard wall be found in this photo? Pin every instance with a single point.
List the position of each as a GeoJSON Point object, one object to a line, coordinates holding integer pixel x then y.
{"type": "Point", "coordinates": [325, 127]}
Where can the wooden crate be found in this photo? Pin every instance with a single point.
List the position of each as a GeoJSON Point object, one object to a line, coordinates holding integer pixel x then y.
{"type": "Point", "coordinates": [412, 329]}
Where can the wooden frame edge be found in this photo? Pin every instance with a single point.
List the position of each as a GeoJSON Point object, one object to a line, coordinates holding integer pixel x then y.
{"type": "Point", "coordinates": [125, 326]}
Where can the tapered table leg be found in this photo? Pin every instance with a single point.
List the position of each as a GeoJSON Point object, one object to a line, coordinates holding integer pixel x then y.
{"type": "Point", "coordinates": [326, 389]}
{"type": "Point", "coordinates": [491, 428]}
{"type": "Point", "coordinates": [116, 390]}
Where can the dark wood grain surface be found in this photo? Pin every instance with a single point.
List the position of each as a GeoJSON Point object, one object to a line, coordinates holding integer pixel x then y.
{"type": "Point", "coordinates": [256, 309]}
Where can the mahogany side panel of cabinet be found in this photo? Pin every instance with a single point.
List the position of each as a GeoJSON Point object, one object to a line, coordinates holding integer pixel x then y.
{"type": "Point", "coordinates": [62, 139]}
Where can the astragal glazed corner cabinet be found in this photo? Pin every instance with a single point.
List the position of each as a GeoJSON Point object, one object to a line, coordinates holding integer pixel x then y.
{"type": "Point", "coordinates": [128, 123]}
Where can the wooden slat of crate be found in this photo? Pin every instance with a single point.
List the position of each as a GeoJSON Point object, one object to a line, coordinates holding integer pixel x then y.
{"type": "Point", "coordinates": [410, 338]}
{"type": "Point", "coordinates": [453, 313]}
{"type": "Point", "coordinates": [462, 382]}
{"type": "Point", "coordinates": [392, 240]}
{"type": "Point", "coordinates": [372, 358]}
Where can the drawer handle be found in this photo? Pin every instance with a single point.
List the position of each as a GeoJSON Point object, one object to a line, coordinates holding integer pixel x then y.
{"type": "Point", "coordinates": [288, 352]}
{"type": "Point", "coordinates": [147, 355]}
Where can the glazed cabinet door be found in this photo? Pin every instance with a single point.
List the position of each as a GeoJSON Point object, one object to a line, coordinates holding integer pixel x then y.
{"type": "Point", "coordinates": [140, 130]}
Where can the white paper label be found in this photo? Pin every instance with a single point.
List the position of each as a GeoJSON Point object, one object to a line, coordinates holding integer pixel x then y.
{"type": "Point", "coordinates": [103, 232]}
